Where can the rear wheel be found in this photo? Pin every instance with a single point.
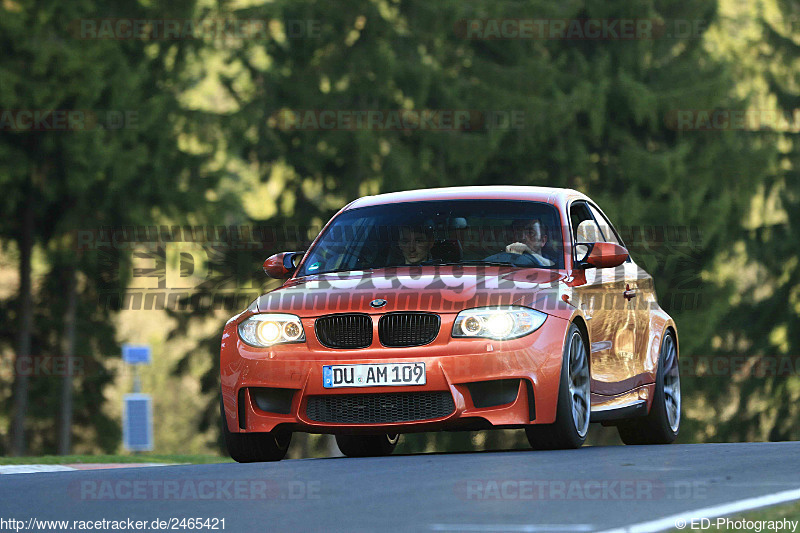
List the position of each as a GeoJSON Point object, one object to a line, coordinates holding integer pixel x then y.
{"type": "Point", "coordinates": [254, 447]}
{"type": "Point", "coordinates": [573, 410]}
{"type": "Point", "coordinates": [367, 445]}
{"type": "Point", "coordinates": [662, 423]}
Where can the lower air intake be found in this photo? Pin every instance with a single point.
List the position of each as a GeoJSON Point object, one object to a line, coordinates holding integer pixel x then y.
{"type": "Point", "coordinates": [379, 408]}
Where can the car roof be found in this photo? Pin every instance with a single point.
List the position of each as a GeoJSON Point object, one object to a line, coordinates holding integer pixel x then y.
{"type": "Point", "coordinates": [551, 195]}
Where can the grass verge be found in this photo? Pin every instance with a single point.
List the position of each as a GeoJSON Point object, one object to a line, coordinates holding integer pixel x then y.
{"type": "Point", "coordinates": [139, 458]}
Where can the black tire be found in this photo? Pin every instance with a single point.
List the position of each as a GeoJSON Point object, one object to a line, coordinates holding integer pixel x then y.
{"type": "Point", "coordinates": [254, 447]}
{"type": "Point", "coordinates": [367, 445]}
{"type": "Point", "coordinates": [655, 428]}
{"type": "Point", "coordinates": [564, 433]}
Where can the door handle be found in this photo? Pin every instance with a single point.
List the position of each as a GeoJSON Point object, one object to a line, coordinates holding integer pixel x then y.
{"type": "Point", "coordinates": [629, 293]}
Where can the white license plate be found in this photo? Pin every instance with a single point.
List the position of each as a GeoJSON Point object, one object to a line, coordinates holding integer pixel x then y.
{"type": "Point", "coordinates": [377, 375]}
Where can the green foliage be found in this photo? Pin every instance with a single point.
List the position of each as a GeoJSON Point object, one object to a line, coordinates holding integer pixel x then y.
{"type": "Point", "coordinates": [763, 321]}
{"type": "Point", "coordinates": [596, 115]}
{"type": "Point", "coordinates": [102, 174]}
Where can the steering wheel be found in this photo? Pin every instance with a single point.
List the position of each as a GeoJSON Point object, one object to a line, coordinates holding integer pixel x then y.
{"type": "Point", "coordinates": [518, 260]}
{"type": "Point", "coordinates": [361, 259]}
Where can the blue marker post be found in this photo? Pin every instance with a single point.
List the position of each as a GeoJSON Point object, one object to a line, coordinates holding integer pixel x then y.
{"type": "Point", "coordinates": [137, 409]}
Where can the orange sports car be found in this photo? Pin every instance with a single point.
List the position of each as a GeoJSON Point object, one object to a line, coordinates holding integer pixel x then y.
{"type": "Point", "coordinates": [462, 309]}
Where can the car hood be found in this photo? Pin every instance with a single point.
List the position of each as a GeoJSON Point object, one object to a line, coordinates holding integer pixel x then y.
{"type": "Point", "coordinates": [436, 289]}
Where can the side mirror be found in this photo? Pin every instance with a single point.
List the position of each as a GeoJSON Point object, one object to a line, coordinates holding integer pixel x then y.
{"type": "Point", "coordinates": [600, 255]}
{"type": "Point", "coordinates": [282, 265]}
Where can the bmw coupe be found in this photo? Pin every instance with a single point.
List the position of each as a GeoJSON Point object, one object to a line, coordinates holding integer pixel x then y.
{"type": "Point", "coordinates": [462, 308]}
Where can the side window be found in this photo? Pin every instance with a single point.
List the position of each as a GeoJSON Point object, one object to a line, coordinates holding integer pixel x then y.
{"type": "Point", "coordinates": [608, 230]}
{"type": "Point", "coordinates": [605, 226]}
{"type": "Point", "coordinates": [584, 228]}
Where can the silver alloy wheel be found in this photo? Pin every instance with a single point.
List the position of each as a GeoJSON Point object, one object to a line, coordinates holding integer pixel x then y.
{"type": "Point", "coordinates": [579, 384]}
{"type": "Point", "coordinates": [672, 383]}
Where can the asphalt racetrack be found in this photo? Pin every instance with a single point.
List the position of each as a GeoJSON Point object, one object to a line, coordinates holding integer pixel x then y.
{"type": "Point", "coordinates": [637, 488]}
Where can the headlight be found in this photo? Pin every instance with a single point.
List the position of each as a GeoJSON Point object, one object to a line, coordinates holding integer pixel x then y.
{"type": "Point", "coordinates": [499, 323]}
{"type": "Point", "coordinates": [266, 329]}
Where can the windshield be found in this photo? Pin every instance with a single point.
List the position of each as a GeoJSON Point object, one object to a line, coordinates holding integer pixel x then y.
{"type": "Point", "coordinates": [508, 232]}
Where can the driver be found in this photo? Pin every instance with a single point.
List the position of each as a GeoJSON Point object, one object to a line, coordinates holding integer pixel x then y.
{"type": "Point", "coordinates": [531, 238]}
{"type": "Point", "coordinates": [415, 243]}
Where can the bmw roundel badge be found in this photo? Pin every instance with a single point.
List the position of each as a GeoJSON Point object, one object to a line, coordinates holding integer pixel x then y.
{"type": "Point", "coordinates": [378, 302]}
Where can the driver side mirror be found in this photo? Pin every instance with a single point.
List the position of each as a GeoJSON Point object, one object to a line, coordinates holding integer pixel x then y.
{"type": "Point", "coordinates": [282, 265]}
{"type": "Point", "coordinates": [600, 255]}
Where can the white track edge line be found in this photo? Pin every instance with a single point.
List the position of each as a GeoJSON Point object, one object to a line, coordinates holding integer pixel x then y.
{"type": "Point", "coordinates": [668, 522]}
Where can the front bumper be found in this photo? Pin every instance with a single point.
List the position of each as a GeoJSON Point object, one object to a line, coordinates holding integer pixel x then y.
{"type": "Point", "coordinates": [453, 365]}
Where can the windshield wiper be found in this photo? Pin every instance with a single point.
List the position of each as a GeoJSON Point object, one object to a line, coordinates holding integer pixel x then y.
{"type": "Point", "coordinates": [364, 269]}
{"type": "Point", "coordinates": [469, 262]}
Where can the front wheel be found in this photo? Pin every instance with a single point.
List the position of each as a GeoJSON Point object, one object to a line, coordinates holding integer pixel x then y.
{"type": "Point", "coordinates": [367, 445]}
{"type": "Point", "coordinates": [574, 407]}
{"type": "Point", "coordinates": [662, 423]}
{"type": "Point", "coordinates": [254, 447]}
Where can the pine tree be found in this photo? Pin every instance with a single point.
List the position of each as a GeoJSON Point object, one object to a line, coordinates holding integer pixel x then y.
{"type": "Point", "coordinates": [120, 164]}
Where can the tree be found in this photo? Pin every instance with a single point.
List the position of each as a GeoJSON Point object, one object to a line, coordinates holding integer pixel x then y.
{"type": "Point", "coordinates": [119, 164]}
{"type": "Point", "coordinates": [761, 265]}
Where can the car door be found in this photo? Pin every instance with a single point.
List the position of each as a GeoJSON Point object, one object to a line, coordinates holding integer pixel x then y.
{"type": "Point", "coordinates": [610, 315]}
{"type": "Point", "coordinates": [631, 342]}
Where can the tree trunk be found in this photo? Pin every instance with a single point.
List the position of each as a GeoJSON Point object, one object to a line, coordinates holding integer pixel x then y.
{"type": "Point", "coordinates": [23, 361]}
{"type": "Point", "coordinates": [68, 351]}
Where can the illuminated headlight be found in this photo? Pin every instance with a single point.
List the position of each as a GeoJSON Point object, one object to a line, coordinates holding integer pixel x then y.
{"type": "Point", "coordinates": [264, 330]}
{"type": "Point", "coordinates": [499, 323]}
